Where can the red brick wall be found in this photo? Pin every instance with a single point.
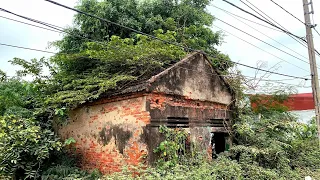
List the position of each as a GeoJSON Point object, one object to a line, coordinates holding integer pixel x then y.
{"type": "Point", "coordinates": [111, 133]}
{"type": "Point", "coordinates": [159, 100]}
{"type": "Point", "coordinates": [108, 135]}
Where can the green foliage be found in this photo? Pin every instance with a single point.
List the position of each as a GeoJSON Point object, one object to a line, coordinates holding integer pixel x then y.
{"type": "Point", "coordinates": [172, 149]}
{"type": "Point", "coordinates": [272, 143]}
{"type": "Point", "coordinates": [189, 20]}
{"type": "Point", "coordinates": [268, 141]}
{"type": "Point", "coordinates": [69, 141]}
{"type": "Point", "coordinates": [304, 152]}
{"type": "Point", "coordinates": [3, 76]}
{"type": "Point", "coordinates": [24, 146]}
{"type": "Point", "coordinates": [265, 104]}
{"type": "Point", "coordinates": [68, 173]}
{"type": "Point", "coordinates": [111, 66]}
{"type": "Point", "coordinates": [86, 70]}
{"type": "Point", "coordinates": [270, 146]}
{"type": "Point", "coordinates": [15, 97]}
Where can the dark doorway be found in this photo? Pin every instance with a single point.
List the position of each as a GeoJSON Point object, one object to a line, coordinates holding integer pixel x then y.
{"type": "Point", "coordinates": [218, 143]}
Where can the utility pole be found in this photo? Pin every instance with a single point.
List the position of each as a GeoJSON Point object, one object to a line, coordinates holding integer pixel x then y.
{"type": "Point", "coordinates": [312, 59]}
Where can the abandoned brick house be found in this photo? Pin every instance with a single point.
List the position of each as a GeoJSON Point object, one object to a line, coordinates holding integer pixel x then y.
{"type": "Point", "coordinates": [120, 129]}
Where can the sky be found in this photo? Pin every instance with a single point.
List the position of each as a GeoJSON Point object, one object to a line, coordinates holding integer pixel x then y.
{"type": "Point", "coordinates": [18, 34]}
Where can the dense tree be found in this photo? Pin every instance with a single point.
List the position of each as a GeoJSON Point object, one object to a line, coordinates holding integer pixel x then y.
{"type": "Point", "coordinates": [187, 18]}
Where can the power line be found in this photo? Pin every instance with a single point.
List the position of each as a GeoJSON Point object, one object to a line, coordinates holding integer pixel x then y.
{"type": "Point", "coordinates": [48, 25]}
{"type": "Point", "coordinates": [246, 19]}
{"type": "Point", "coordinates": [283, 30]}
{"type": "Point", "coordinates": [258, 48]}
{"type": "Point", "coordinates": [113, 23]}
{"type": "Point", "coordinates": [316, 31]}
{"type": "Point", "coordinates": [287, 11]}
{"type": "Point", "coordinates": [42, 23]}
{"type": "Point", "coordinates": [58, 29]}
{"type": "Point", "coordinates": [60, 53]}
{"type": "Point", "coordinates": [29, 24]}
{"type": "Point", "coordinates": [270, 45]}
{"type": "Point", "coordinates": [21, 47]}
{"type": "Point", "coordinates": [231, 75]}
{"type": "Point", "coordinates": [249, 77]}
{"type": "Point", "coordinates": [235, 17]}
{"type": "Point", "coordinates": [293, 36]}
{"type": "Point", "coordinates": [160, 39]}
{"type": "Point", "coordinates": [108, 21]}
{"type": "Point", "coordinates": [50, 52]}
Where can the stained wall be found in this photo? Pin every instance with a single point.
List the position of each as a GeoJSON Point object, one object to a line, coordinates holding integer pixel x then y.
{"type": "Point", "coordinates": [108, 133]}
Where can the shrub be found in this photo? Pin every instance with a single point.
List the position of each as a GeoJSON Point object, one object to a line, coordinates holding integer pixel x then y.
{"type": "Point", "coordinates": [24, 147]}
{"type": "Point", "coordinates": [68, 173]}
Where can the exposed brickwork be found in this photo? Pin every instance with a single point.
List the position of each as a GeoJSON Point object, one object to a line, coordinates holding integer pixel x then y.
{"type": "Point", "coordinates": [108, 135]}
{"type": "Point", "coordinates": [159, 100]}
{"type": "Point", "coordinates": [123, 129]}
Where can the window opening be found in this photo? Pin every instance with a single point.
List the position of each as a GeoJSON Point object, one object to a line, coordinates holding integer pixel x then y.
{"type": "Point", "coordinates": [216, 122]}
{"type": "Point", "coordinates": [177, 122]}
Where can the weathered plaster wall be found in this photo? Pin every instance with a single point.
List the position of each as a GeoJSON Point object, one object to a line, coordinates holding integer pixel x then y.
{"type": "Point", "coordinates": [194, 78]}
{"type": "Point", "coordinates": [200, 114]}
{"type": "Point", "coordinates": [108, 135]}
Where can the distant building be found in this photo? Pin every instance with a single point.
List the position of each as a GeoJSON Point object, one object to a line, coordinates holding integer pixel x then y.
{"type": "Point", "coordinates": [122, 128]}
{"type": "Point", "coordinates": [300, 104]}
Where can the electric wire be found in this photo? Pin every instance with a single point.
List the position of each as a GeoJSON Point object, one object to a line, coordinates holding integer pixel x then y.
{"type": "Point", "coordinates": [48, 25]}
{"type": "Point", "coordinates": [56, 29]}
{"type": "Point", "coordinates": [288, 12]}
{"type": "Point", "coordinates": [32, 49]}
{"type": "Point", "coordinates": [235, 17]}
{"type": "Point", "coordinates": [258, 79]}
{"type": "Point", "coordinates": [256, 46]}
{"type": "Point", "coordinates": [228, 12]}
{"type": "Point", "coordinates": [29, 24]}
{"type": "Point", "coordinates": [316, 31]}
{"type": "Point", "coordinates": [293, 36]}
{"type": "Point", "coordinates": [236, 63]}
{"type": "Point", "coordinates": [269, 45]}
{"type": "Point", "coordinates": [50, 52]}
{"type": "Point", "coordinates": [314, 28]}
{"type": "Point", "coordinates": [289, 34]}
{"type": "Point", "coordinates": [64, 31]}
{"type": "Point", "coordinates": [266, 21]}
{"type": "Point", "coordinates": [114, 23]}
